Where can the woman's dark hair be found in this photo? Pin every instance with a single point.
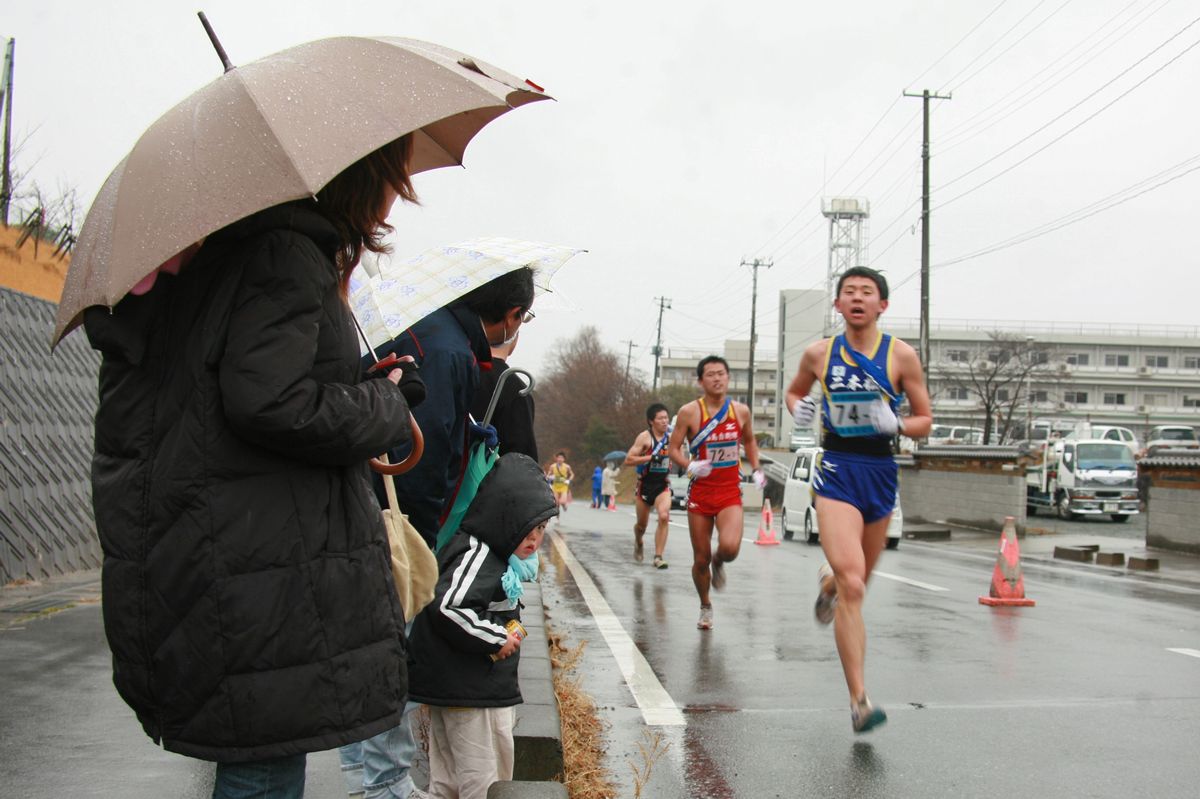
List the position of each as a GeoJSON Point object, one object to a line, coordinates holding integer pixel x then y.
{"type": "Point", "coordinates": [493, 300]}
{"type": "Point", "coordinates": [655, 410]}
{"type": "Point", "coordinates": [706, 361]}
{"type": "Point", "coordinates": [352, 201]}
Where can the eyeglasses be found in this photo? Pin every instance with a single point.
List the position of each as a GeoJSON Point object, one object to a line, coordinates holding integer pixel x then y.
{"type": "Point", "coordinates": [528, 317]}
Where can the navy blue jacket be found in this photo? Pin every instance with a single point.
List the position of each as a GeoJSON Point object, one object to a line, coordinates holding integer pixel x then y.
{"type": "Point", "coordinates": [450, 347]}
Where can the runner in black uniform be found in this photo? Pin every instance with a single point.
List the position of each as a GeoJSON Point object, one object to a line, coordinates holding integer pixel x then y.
{"type": "Point", "coordinates": [649, 455]}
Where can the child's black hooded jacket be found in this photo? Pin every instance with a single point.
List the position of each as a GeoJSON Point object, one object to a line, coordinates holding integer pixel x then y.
{"type": "Point", "coordinates": [464, 624]}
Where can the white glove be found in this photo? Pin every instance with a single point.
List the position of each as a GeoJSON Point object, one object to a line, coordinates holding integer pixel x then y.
{"type": "Point", "coordinates": [760, 479]}
{"type": "Point", "coordinates": [700, 468]}
{"type": "Point", "coordinates": [884, 419]}
{"type": "Point", "coordinates": [806, 411]}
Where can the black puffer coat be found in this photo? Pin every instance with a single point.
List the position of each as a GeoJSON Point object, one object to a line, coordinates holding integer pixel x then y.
{"type": "Point", "coordinates": [248, 599]}
{"type": "Point", "coordinates": [464, 624]}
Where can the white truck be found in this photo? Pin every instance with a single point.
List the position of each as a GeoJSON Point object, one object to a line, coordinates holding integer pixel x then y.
{"type": "Point", "coordinates": [1082, 478]}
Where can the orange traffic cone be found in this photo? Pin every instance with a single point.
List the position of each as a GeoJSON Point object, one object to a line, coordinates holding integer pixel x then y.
{"type": "Point", "coordinates": [1008, 584]}
{"type": "Point", "coordinates": [612, 501]}
{"type": "Point", "coordinates": [766, 526]}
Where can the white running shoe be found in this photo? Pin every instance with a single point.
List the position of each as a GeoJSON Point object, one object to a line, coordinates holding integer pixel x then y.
{"type": "Point", "coordinates": [706, 618]}
{"type": "Point", "coordinates": [826, 595]}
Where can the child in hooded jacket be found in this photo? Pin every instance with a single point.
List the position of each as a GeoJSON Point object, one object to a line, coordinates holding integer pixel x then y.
{"type": "Point", "coordinates": [462, 659]}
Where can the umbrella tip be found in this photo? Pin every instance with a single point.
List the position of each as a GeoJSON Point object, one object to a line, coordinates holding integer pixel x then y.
{"type": "Point", "coordinates": [216, 43]}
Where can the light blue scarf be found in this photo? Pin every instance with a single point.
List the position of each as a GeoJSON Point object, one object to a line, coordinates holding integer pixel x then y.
{"type": "Point", "coordinates": [519, 570]}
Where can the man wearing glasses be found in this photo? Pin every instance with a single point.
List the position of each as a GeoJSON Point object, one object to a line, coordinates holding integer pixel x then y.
{"type": "Point", "coordinates": [451, 346]}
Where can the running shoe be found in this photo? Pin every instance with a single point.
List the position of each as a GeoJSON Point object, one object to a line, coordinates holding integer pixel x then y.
{"type": "Point", "coordinates": [706, 618]}
{"type": "Point", "coordinates": [864, 716]}
{"type": "Point", "coordinates": [659, 563]}
{"type": "Point", "coordinates": [826, 595]}
{"type": "Point", "coordinates": [638, 548]}
{"type": "Point", "coordinates": [718, 574]}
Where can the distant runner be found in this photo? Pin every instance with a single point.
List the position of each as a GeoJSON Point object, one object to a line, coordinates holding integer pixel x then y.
{"type": "Point", "coordinates": [560, 474]}
{"type": "Point", "coordinates": [712, 428]}
{"type": "Point", "coordinates": [862, 374]}
{"type": "Point", "coordinates": [649, 455]}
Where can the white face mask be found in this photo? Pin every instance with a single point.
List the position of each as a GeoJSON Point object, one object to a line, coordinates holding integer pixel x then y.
{"type": "Point", "coordinates": [509, 339]}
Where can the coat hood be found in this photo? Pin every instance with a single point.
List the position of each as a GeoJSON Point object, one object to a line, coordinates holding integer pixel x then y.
{"type": "Point", "coordinates": [512, 499]}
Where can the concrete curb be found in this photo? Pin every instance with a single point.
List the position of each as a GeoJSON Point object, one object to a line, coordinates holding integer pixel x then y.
{"type": "Point", "coordinates": [537, 733]}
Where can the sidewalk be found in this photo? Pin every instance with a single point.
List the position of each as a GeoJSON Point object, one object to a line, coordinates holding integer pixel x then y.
{"type": "Point", "coordinates": [1038, 546]}
{"type": "Point", "coordinates": [67, 726]}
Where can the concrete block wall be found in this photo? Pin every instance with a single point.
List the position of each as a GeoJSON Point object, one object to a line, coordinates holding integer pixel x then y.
{"type": "Point", "coordinates": [968, 489]}
{"type": "Point", "coordinates": [1173, 520]}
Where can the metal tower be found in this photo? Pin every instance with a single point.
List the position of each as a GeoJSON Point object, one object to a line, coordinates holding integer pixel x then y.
{"type": "Point", "coordinates": [847, 244]}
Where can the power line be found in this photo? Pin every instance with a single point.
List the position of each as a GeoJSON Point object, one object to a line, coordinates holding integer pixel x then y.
{"type": "Point", "coordinates": [1008, 49]}
{"type": "Point", "coordinates": [957, 132]}
{"type": "Point", "coordinates": [1112, 201]}
{"type": "Point", "coordinates": [1070, 130]}
{"type": "Point", "coordinates": [1104, 86]}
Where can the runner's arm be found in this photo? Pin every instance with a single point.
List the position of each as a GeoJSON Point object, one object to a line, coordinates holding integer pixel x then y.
{"type": "Point", "coordinates": [912, 383]}
{"type": "Point", "coordinates": [806, 375]}
{"type": "Point", "coordinates": [639, 453]}
{"type": "Point", "coordinates": [683, 426]}
{"type": "Point", "coordinates": [748, 441]}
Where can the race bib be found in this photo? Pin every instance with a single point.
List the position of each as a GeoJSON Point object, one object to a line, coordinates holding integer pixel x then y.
{"type": "Point", "coordinates": [723, 454]}
{"type": "Point", "coordinates": [849, 413]}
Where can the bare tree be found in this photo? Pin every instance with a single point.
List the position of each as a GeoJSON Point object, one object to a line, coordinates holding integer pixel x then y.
{"type": "Point", "coordinates": [585, 405]}
{"type": "Point", "coordinates": [998, 374]}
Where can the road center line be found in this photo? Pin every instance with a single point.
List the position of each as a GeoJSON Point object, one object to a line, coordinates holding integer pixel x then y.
{"type": "Point", "coordinates": [917, 583]}
{"type": "Point", "coordinates": [657, 706]}
{"type": "Point", "coordinates": [1189, 652]}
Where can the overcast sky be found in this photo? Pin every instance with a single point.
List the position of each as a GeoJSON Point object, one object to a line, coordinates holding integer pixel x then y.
{"type": "Point", "coordinates": [687, 136]}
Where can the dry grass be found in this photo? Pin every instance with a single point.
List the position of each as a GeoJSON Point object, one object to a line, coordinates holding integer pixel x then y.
{"type": "Point", "coordinates": [650, 748]}
{"type": "Point", "coordinates": [582, 730]}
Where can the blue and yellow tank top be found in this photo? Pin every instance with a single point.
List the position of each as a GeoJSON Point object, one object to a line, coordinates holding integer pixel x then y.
{"type": "Point", "coordinates": [847, 391]}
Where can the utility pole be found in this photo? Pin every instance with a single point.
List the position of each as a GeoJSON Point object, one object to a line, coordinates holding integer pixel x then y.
{"type": "Point", "coordinates": [628, 357]}
{"type": "Point", "coordinates": [663, 303]}
{"type": "Point", "coordinates": [6, 91]}
{"type": "Point", "coordinates": [754, 265]}
{"type": "Point", "coordinates": [925, 95]}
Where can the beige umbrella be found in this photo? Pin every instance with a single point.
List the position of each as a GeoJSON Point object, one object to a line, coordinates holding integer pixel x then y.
{"type": "Point", "coordinates": [274, 130]}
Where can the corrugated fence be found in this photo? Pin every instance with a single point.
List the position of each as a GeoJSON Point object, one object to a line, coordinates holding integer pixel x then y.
{"type": "Point", "coordinates": [47, 411]}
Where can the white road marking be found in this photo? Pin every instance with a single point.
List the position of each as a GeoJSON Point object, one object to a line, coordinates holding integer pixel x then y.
{"type": "Point", "coordinates": [1189, 652]}
{"type": "Point", "coordinates": [917, 583]}
{"type": "Point", "coordinates": [658, 708]}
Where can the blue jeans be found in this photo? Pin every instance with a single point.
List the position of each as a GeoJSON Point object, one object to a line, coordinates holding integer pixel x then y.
{"type": "Point", "coordinates": [379, 765]}
{"type": "Point", "coordinates": [279, 778]}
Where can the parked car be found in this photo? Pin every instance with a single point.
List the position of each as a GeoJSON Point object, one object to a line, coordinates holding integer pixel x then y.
{"type": "Point", "coordinates": [797, 513]}
{"type": "Point", "coordinates": [679, 489]}
{"type": "Point", "coordinates": [1106, 432]}
{"type": "Point", "coordinates": [941, 434]}
{"type": "Point", "coordinates": [1170, 436]}
{"type": "Point", "coordinates": [800, 439]}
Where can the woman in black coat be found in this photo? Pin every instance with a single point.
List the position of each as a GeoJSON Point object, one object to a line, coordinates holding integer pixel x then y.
{"type": "Point", "coordinates": [248, 599]}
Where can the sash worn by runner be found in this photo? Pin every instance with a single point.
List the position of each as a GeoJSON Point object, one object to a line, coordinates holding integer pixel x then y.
{"type": "Point", "coordinates": [706, 431]}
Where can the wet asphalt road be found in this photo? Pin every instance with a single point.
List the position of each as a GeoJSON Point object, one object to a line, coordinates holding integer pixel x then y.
{"type": "Point", "coordinates": [1078, 696]}
{"type": "Point", "coordinates": [64, 731]}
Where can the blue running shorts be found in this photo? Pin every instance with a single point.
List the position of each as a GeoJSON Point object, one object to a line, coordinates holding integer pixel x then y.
{"type": "Point", "coordinates": [868, 482]}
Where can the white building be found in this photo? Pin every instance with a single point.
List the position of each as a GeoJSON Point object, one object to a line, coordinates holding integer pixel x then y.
{"type": "Point", "coordinates": [1136, 376]}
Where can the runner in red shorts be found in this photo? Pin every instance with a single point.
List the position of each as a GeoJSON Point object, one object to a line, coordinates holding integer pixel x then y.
{"type": "Point", "coordinates": [712, 427]}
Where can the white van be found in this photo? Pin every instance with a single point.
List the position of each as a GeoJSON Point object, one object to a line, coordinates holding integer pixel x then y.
{"type": "Point", "coordinates": [797, 512]}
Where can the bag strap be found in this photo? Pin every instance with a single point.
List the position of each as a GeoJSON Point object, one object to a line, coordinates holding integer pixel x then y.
{"type": "Point", "coordinates": [389, 487]}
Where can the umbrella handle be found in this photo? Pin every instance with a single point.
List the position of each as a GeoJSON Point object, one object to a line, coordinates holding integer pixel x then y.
{"type": "Point", "coordinates": [381, 464]}
{"type": "Point", "coordinates": [491, 408]}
